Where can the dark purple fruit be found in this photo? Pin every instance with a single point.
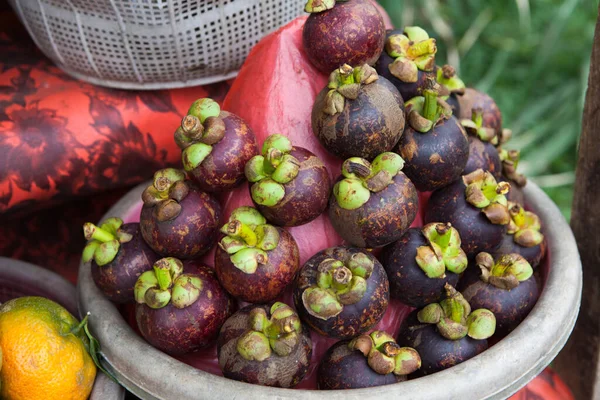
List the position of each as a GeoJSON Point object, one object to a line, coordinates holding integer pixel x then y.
{"type": "Point", "coordinates": [421, 262]}
{"type": "Point", "coordinates": [366, 361]}
{"type": "Point", "coordinates": [506, 287]}
{"type": "Point", "coordinates": [349, 32]}
{"type": "Point", "coordinates": [291, 185]}
{"type": "Point", "coordinates": [453, 86]}
{"type": "Point", "coordinates": [215, 146]}
{"type": "Point", "coordinates": [408, 60]}
{"type": "Point", "coordinates": [483, 155]}
{"type": "Point", "coordinates": [118, 255]}
{"type": "Point", "coordinates": [474, 99]}
{"type": "Point", "coordinates": [476, 206]}
{"type": "Point", "coordinates": [446, 333]}
{"type": "Point", "coordinates": [180, 307]}
{"type": "Point", "coordinates": [265, 346]}
{"type": "Point", "coordinates": [434, 145]}
{"type": "Point", "coordinates": [177, 218]}
{"type": "Point", "coordinates": [373, 204]}
{"type": "Point", "coordinates": [255, 261]}
{"type": "Point", "coordinates": [341, 292]}
{"type": "Point", "coordinates": [359, 114]}
{"type": "Point", "coordinates": [523, 236]}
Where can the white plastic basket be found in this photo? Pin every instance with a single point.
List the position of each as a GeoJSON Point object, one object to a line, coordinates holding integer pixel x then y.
{"type": "Point", "coordinates": [152, 44]}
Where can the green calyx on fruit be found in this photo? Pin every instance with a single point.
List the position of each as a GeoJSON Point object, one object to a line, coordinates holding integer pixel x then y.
{"type": "Point", "coordinates": [167, 190]}
{"type": "Point", "coordinates": [362, 177]}
{"type": "Point", "coordinates": [412, 51]}
{"type": "Point", "coordinates": [248, 239]}
{"type": "Point", "coordinates": [443, 252]}
{"type": "Point", "coordinates": [446, 76]}
{"type": "Point", "coordinates": [506, 272]}
{"type": "Point", "coordinates": [317, 6]}
{"type": "Point", "coordinates": [201, 128]}
{"type": "Point", "coordinates": [524, 225]}
{"type": "Point", "coordinates": [339, 283]}
{"type": "Point", "coordinates": [345, 83]}
{"type": "Point", "coordinates": [384, 356]}
{"type": "Point", "coordinates": [279, 334]}
{"type": "Point", "coordinates": [510, 161]}
{"type": "Point", "coordinates": [271, 170]}
{"type": "Point", "coordinates": [475, 127]}
{"type": "Point", "coordinates": [424, 112]}
{"type": "Point", "coordinates": [167, 283]}
{"type": "Point", "coordinates": [483, 192]}
{"type": "Point", "coordinates": [455, 320]}
{"type": "Point", "coordinates": [104, 241]}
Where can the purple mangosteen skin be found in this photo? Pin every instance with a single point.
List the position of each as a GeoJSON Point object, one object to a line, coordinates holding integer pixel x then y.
{"type": "Point", "coordinates": [351, 33]}
{"type": "Point", "coordinates": [408, 282]}
{"type": "Point", "coordinates": [275, 371]}
{"type": "Point", "coordinates": [178, 331]}
{"type": "Point", "coordinates": [477, 233]}
{"type": "Point", "coordinates": [483, 155]}
{"type": "Point", "coordinates": [342, 368]}
{"type": "Point", "coordinates": [437, 353]}
{"type": "Point", "coordinates": [436, 158]}
{"type": "Point", "coordinates": [189, 235]}
{"type": "Point", "coordinates": [306, 196]}
{"type": "Point", "coordinates": [516, 194]}
{"type": "Point", "coordinates": [269, 280]}
{"type": "Point", "coordinates": [492, 117]}
{"type": "Point", "coordinates": [355, 319]}
{"type": "Point", "coordinates": [117, 278]}
{"type": "Point", "coordinates": [382, 219]}
{"type": "Point", "coordinates": [408, 90]}
{"type": "Point", "coordinates": [533, 255]}
{"type": "Point", "coordinates": [454, 103]}
{"type": "Point", "coordinates": [368, 126]}
{"type": "Point", "coordinates": [223, 168]}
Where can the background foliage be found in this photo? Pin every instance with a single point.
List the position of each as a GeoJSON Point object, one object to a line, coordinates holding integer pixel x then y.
{"type": "Point", "coordinates": [532, 57]}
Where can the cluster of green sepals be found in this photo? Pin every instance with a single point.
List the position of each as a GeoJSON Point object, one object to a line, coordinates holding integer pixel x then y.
{"type": "Point", "coordinates": [166, 283]}
{"type": "Point", "coordinates": [482, 191]}
{"type": "Point", "coordinates": [345, 83]}
{"type": "Point", "coordinates": [506, 272]}
{"type": "Point", "coordinates": [279, 334]}
{"type": "Point", "coordinates": [201, 128]}
{"type": "Point", "coordinates": [362, 177]}
{"type": "Point", "coordinates": [271, 170]}
{"type": "Point", "coordinates": [248, 239]}
{"type": "Point", "coordinates": [443, 251]}
{"type": "Point", "coordinates": [167, 190]}
{"type": "Point", "coordinates": [317, 6]}
{"type": "Point", "coordinates": [339, 283]}
{"type": "Point", "coordinates": [104, 241]}
{"type": "Point", "coordinates": [524, 225]}
{"type": "Point", "coordinates": [475, 127]}
{"type": "Point", "coordinates": [412, 51]}
{"type": "Point", "coordinates": [510, 161]}
{"type": "Point", "coordinates": [454, 319]}
{"type": "Point", "coordinates": [447, 78]}
{"type": "Point", "coordinates": [424, 112]}
{"type": "Point", "coordinates": [384, 356]}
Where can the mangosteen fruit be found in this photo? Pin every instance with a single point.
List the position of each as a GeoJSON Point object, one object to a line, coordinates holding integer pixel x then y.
{"type": "Point", "coordinates": [177, 218]}
{"type": "Point", "coordinates": [482, 146]}
{"type": "Point", "coordinates": [434, 144]}
{"type": "Point", "coordinates": [446, 333]}
{"type": "Point", "coordinates": [373, 204]}
{"type": "Point", "coordinates": [180, 308]}
{"type": "Point", "coordinates": [215, 146]}
{"type": "Point", "coordinates": [290, 185]}
{"type": "Point", "coordinates": [342, 32]}
{"type": "Point", "coordinates": [477, 207]}
{"type": "Point", "coordinates": [447, 78]}
{"type": "Point", "coordinates": [510, 161]}
{"type": "Point", "coordinates": [118, 256]}
{"type": "Point", "coordinates": [358, 114]}
{"type": "Point", "coordinates": [341, 292]}
{"type": "Point", "coordinates": [366, 361]}
{"type": "Point", "coordinates": [255, 261]}
{"type": "Point", "coordinates": [422, 261]}
{"type": "Point", "coordinates": [473, 99]}
{"type": "Point", "coordinates": [265, 345]}
{"type": "Point", "coordinates": [408, 60]}
{"type": "Point", "coordinates": [523, 236]}
{"type": "Point", "coordinates": [505, 286]}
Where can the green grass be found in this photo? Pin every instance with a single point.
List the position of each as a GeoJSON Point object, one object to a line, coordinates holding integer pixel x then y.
{"type": "Point", "coordinates": [532, 57]}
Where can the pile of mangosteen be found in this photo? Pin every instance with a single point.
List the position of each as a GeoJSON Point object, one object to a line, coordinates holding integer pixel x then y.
{"type": "Point", "coordinates": [406, 129]}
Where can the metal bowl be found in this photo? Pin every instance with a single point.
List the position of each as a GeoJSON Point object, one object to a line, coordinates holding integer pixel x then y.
{"type": "Point", "coordinates": [495, 374]}
{"type": "Point", "coordinates": [18, 278]}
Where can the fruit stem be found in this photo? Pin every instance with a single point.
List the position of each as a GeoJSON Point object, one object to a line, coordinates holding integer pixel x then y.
{"type": "Point", "coordinates": [93, 232]}
{"type": "Point", "coordinates": [240, 230]}
{"type": "Point", "coordinates": [346, 75]}
{"type": "Point", "coordinates": [430, 107]}
{"type": "Point", "coordinates": [76, 330]}
{"type": "Point", "coordinates": [444, 233]}
{"type": "Point", "coordinates": [477, 116]}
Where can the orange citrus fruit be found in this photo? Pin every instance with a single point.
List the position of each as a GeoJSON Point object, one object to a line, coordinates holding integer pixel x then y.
{"type": "Point", "coordinates": [44, 352]}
